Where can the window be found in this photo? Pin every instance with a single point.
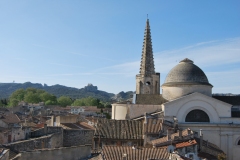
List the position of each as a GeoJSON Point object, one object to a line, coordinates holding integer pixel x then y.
{"type": "Point", "coordinates": [238, 142]}
{"type": "Point", "coordinates": [197, 115]}
{"type": "Point", "coordinates": [148, 83]}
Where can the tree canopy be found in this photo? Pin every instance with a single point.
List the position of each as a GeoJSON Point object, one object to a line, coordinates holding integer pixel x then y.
{"type": "Point", "coordinates": [64, 101]}
{"type": "Point", "coordinates": [31, 95]}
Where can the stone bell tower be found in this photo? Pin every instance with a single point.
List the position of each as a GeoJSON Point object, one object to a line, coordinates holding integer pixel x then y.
{"type": "Point", "coordinates": [148, 81]}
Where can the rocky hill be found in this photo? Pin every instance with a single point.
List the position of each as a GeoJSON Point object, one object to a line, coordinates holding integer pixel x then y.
{"type": "Point", "coordinates": [6, 89]}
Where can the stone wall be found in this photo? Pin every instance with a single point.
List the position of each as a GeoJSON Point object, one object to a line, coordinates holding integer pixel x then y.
{"type": "Point", "coordinates": [130, 111]}
{"type": "Point", "coordinates": [47, 130]}
{"type": "Point", "coordinates": [173, 92]}
{"type": "Point", "coordinates": [77, 137]}
{"type": "Point", "coordinates": [49, 141]}
{"type": "Point", "coordinates": [64, 153]}
{"type": "Point", "coordinates": [67, 119]}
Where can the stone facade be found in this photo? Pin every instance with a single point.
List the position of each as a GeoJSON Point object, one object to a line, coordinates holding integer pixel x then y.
{"type": "Point", "coordinates": [73, 137]}
{"type": "Point", "coordinates": [45, 131]}
{"type": "Point", "coordinates": [66, 119]}
{"type": "Point", "coordinates": [64, 153]}
{"type": "Point", "coordinates": [130, 111]}
{"type": "Point", "coordinates": [147, 81]}
{"type": "Point", "coordinates": [176, 91]}
{"type": "Point", "coordinates": [49, 141]}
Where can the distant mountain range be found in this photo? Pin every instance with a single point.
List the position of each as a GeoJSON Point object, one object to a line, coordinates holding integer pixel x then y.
{"type": "Point", "coordinates": [6, 89]}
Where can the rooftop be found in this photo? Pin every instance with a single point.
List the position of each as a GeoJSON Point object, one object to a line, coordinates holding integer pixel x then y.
{"type": "Point", "coordinates": [118, 152]}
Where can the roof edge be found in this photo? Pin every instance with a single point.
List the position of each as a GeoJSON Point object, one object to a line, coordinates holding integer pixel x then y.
{"type": "Point", "coordinates": [186, 83]}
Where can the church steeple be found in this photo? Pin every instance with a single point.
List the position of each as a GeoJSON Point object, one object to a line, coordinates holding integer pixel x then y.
{"type": "Point", "coordinates": [147, 63]}
{"type": "Point", "coordinates": [147, 82]}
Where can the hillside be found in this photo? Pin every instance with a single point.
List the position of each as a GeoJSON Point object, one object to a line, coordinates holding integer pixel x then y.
{"type": "Point", "coordinates": [6, 89]}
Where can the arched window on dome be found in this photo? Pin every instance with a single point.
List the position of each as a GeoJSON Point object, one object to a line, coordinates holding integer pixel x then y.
{"type": "Point", "coordinates": [238, 142]}
{"type": "Point", "coordinates": [197, 115]}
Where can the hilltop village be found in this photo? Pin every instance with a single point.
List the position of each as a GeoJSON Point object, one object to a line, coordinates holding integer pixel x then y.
{"type": "Point", "coordinates": [184, 122]}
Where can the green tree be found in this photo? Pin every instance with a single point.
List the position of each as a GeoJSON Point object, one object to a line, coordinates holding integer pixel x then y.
{"type": "Point", "coordinates": [107, 105]}
{"type": "Point", "coordinates": [47, 96]}
{"type": "Point", "coordinates": [18, 95]}
{"type": "Point", "coordinates": [13, 103]}
{"type": "Point", "coordinates": [89, 101]}
{"type": "Point", "coordinates": [33, 90]}
{"type": "Point", "coordinates": [78, 102]}
{"type": "Point", "coordinates": [32, 98]}
{"type": "Point", "coordinates": [49, 102]}
{"type": "Point", "coordinates": [64, 101]}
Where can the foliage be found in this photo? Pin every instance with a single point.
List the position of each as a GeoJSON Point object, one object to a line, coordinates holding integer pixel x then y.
{"type": "Point", "coordinates": [222, 156]}
{"type": "Point", "coordinates": [13, 102]}
{"type": "Point", "coordinates": [107, 115]}
{"type": "Point", "coordinates": [3, 102]}
{"type": "Point", "coordinates": [31, 95]}
{"type": "Point", "coordinates": [6, 89]}
{"type": "Point", "coordinates": [64, 101]}
{"type": "Point", "coordinates": [18, 95]}
{"type": "Point", "coordinates": [89, 101]}
{"type": "Point", "coordinates": [49, 102]}
{"type": "Point", "coordinates": [48, 97]}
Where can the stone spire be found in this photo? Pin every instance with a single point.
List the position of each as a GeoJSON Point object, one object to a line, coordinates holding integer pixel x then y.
{"type": "Point", "coordinates": [147, 63]}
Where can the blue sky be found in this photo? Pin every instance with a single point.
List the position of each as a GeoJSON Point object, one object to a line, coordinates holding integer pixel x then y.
{"type": "Point", "coordinates": [77, 42]}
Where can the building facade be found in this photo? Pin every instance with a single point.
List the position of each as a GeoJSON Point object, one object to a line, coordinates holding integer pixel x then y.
{"type": "Point", "coordinates": [187, 97]}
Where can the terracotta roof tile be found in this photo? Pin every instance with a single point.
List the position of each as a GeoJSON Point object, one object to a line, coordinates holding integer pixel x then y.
{"type": "Point", "coordinates": [164, 139]}
{"type": "Point", "coordinates": [119, 129]}
{"type": "Point", "coordinates": [153, 126]}
{"type": "Point", "coordinates": [117, 153]}
{"type": "Point", "coordinates": [10, 118]}
{"type": "Point", "coordinates": [186, 144]}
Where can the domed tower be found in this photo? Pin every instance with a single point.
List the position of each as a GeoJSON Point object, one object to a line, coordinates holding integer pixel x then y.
{"type": "Point", "coordinates": [185, 78]}
{"type": "Point", "coordinates": [147, 81]}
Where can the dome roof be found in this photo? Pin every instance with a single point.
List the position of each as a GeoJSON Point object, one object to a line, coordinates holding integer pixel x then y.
{"type": "Point", "coordinates": [186, 73]}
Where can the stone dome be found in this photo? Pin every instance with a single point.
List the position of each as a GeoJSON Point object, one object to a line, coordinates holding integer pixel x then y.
{"type": "Point", "coordinates": [186, 73]}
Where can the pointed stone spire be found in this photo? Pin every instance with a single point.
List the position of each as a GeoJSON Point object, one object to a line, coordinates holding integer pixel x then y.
{"type": "Point", "coordinates": [147, 63]}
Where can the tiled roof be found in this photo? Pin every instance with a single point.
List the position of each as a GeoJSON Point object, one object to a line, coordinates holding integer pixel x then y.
{"type": "Point", "coordinates": [119, 129]}
{"type": "Point", "coordinates": [80, 125]}
{"type": "Point", "coordinates": [117, 153]}
{"type": "Point", "coordinates": [10, 118]}
{"type": "Point", "coordinates": [209, 145]}
{"type": "Point", "coordinates": [84, 125]}
{"type": "Point", "coordinates": [165, 139]}
{"type": "Point", "coordinates": [206, 155]}
{"type": "Point", "coordinates": [186, 143]}
{"type": "Point", "coordinates": [153, 126]}
{"type": "Point", "coordinates": [233, 100]}
{"type": "Point", "coordinates": [154, 99]}
{"type": "Point", "coordinates": [13, 155]}
{"type": "Point", "coordinates": [3, 109]}
{"type": "Point", "coordinates": [70, 126]}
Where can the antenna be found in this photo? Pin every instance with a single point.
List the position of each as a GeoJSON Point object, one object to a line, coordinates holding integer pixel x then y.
{"type": "Point", "coordinates": [147, 16]}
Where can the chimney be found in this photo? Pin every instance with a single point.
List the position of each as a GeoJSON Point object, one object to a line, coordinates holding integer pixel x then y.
{"type": "Point", "coordinates": [189, 131]}
{"type": "Point", "coordinates": [145, 118]}
{"type": "Point", "coordinates": [45, 129]}
{"type": "Point", "coordinates": [201, 139]}
{"type": "Point", "coordinates": [175, 123]}
{"type": "Point", "coordinates": [180, 134]}
{"type": "Point", "coordinates": [168, 136]}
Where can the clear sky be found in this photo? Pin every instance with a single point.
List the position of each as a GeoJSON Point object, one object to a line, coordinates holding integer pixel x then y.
{"type": "Point", "coordinates": [77, 42]}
